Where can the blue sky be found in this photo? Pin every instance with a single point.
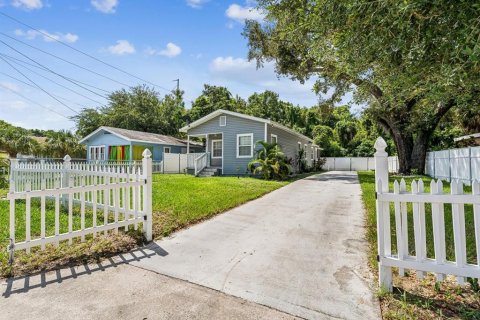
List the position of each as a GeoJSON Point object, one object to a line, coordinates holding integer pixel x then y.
{"type": "Point", "coordinates": [198, 41]}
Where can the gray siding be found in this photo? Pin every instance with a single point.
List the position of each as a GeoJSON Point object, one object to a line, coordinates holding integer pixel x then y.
{"type": "Point", "coordinates": [235, 125]}
{"type": "Point", "coordinates": [289, 142]}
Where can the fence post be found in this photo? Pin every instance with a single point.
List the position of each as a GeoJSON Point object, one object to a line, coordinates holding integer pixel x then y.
{"type": "Point", "coordinates": [67, 166]}
{"type": "Point", "coordinates": [147, 194]}
{"type": "Point", "coordinates": [470, 175]}
{"type": "Point", "coordinates": [381, 186]}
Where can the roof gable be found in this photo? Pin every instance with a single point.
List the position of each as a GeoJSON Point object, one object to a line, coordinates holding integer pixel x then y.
{"type": "Point", "coordinates": [218, 112]}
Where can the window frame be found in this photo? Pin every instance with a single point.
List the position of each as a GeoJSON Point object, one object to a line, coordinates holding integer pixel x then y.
{"type": "Point", "coordinates": [97, 152]}
{"type": "Point", "coordinates": [221, 148]}
{"type": "Point", "coordinates": [169, 149]}
{"type": "Point", "coordinates": [250, 135]}
{"type": "Point", "coordinates": [299, 144]}
{"type": "Point", "coordinates": [312, 156]}
{"type": "Point", "coordinates": [273, 136]}
{"type": "Point", "coordinates": [220, 121]}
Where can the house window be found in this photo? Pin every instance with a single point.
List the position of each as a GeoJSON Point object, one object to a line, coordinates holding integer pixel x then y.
{"type": "Point", "coordinates": [273, 138]}
{"type": "Point", "coordinates": [166, 149]}
{"type": "Point", "coordinates": [313, 153]}
{"type": "Point", "coordinates": [223, 121]}
{"type": "Point", "coordinates": [97, 153]}
{"type": "Point", "coordinates": [318, 153]}
{"type": "Point", "coordinates": [245, 145]}
{"type": "Point", "coordinates": [299, 146]}
{"type": "Point", "coordinates": [217, 149]}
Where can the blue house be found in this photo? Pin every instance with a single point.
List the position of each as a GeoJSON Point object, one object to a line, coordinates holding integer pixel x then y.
{"type": "Point", "coordinates": [114, 144]}
{"type": "Point", "coordinates": [231, 137]}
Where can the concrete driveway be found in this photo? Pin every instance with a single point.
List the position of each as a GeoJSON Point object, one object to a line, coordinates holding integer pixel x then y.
{"type": "Point", "coordinates": [300, 249]}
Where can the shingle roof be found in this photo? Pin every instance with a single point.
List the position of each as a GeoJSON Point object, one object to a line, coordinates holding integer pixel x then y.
{"type": "Point", "coordinates": [140, 136]}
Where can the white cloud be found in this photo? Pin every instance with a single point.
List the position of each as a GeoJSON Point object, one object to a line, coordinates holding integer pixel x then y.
{"type": "Point", "coordinates": [47, 36]}
{"type": "Point", "coordinates": [240, 14]}
{"type": "Point", "coordinates": [12, 105]}
{"type": "Point", "coordinates": [242, 71]}
{"type": "Point", "coordinates": [105, 6]}
{"type": "Point", "coordinates": [28, 4]}
{"type": "Point", "coordinates": [9, 86]}
{"type": "Point", "coordinates": [121, 48]}
{"type": "Point", "coordinates": [171, 50]}
{"type": "Point", "coordinates": [196, 3]}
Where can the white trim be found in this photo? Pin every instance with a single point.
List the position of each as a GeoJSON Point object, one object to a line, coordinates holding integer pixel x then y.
{"type": "Point", "coordinates": [312, 156]}
{"type": "Point", "coordinates": [220, 121]}
{"type": "Point", "coordinates": [265, 135]}
{"type": "Point", "coordinates": [273, 136]}
{"type": "Point", "coordinates": [299, 144]}
{"type": "Point", "coordinates": [97, 147]}
{"type": "Point", "coordinates": [238, 145]}
{"type": "Point", "coordinates": [217, 140]}
{"type": "Point", "coordinates": [470, 136]}
{"type": "Point", "coordinates": [169, 149]}
{"type": "Point", "coordinates": [244, 116]}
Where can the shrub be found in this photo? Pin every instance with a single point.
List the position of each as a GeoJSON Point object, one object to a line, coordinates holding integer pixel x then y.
{"type": "Point", "coordinates": [270, 162]}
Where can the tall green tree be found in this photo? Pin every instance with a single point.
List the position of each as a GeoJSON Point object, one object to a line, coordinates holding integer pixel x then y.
{"type": "Point", "coordinates": [16, 140]}
{"type": "Point", "coordinates": [140, 108]}
{"type": "Point", "coordinates": [211, 99]}
{"type": "Point", "coordinates": [411, 61]}
{"type": "Point", "coordinates": [60, 143]}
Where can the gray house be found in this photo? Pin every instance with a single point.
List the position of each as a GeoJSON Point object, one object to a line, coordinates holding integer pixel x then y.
{"type": "Point", "coordinates": [230, 139]}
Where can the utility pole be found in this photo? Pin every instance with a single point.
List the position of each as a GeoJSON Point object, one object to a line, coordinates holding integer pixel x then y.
{"type": "Point", "coordinates": [178, 84]}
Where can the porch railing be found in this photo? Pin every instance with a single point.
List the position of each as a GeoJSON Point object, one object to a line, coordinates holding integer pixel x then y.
{"type": "Point", "coordinates": [200, 163]}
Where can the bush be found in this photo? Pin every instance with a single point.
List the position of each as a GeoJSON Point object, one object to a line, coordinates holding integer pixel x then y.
{"type": "Point", "coordinates": [270, 162]}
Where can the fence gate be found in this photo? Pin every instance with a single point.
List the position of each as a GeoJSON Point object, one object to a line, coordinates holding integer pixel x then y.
{"type": "Point", "coordinates": [417, 205]}
{"type": "Point", "coordinates": [104, 197]}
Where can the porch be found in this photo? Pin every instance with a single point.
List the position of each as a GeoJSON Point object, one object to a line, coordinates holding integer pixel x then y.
{"type": "Point", "coordinates": [211, 161]}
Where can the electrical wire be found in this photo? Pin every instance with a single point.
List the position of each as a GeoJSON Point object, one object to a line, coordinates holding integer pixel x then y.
{"type": "Point", "coordinates": [80, 51]}
{"type": "Point", "coordinates": [34, 102]}
{"type": "Point", "coordinates": [55, 82]}
{"type": "Point", "coordinates": [34, 83]}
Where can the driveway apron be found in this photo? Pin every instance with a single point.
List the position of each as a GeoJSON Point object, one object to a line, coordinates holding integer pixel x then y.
{"type": "Point", "coordinates": [300, 249]}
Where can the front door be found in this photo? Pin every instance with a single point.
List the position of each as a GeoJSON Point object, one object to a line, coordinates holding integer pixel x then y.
{"type": "Point", "coordinates": [216, 152]}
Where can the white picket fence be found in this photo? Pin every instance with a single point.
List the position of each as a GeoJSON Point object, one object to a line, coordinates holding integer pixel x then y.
{"type": "Point", "coordinates": [455, 164]}
{"type": "Point", "coordinates": [402, 258]}
{"type": "Point", "coordinates": [356, 164]}
{"type": "Point", "coordinates": [123, 195]}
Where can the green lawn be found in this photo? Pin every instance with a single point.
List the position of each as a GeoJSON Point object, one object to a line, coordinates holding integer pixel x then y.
{"type": "Point", "coordinates": [178, 201]}
{"type": "Point", "coordinates": [414, 299]}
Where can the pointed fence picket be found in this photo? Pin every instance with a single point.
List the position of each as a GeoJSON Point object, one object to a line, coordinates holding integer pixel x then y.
{"type": "Point", "coordinates": [90, 187]}
{"type": "Point", "coordinates": [415, 258]}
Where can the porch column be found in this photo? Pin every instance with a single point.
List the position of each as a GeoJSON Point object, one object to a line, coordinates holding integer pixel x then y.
{"type": "Point", "coordinates": [188, 144]}
{"type": "Point", "coordinates": [206, 143]}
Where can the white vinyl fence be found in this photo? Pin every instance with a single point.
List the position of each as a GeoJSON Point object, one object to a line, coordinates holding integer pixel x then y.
{"type": "Point", "coordinates": [357, 164]}
{"type": "Point", "coordinates": [418, 200]}
{"type": "Point", "coordinates": [456, 164]}
{"type": "Point", "coordinates": [122, 195]}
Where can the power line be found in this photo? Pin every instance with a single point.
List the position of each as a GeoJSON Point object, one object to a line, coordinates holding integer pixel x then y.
{"type": "Point", "coordinates": [50, 70]}
{"type": "Point", "coordinates": [34, 102]}
{"type": "Point", "coordinates": [32, 86]}
{"type": "Point", "coordinates": [42, 67]}
{"type": "Point", "coordinates": [62, 59]}
{"type": "Point", "coordinates": [79, 51]}
{"type": "Point", "coordinates": [34, 83]}
{"type": "Point", "coordinates": [40, 75]}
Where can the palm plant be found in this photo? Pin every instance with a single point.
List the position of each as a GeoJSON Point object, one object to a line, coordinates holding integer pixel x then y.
{"type": "Point", "coordinates": [14, 140]}
{"type": "Point", "coordinates": [270, 162]}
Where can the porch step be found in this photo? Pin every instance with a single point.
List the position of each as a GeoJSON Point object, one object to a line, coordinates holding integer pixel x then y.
{"type": "Point", "coordinates": [209, 172]}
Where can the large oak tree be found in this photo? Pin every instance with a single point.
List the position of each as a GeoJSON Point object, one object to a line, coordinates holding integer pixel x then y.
{"type": "Point", "coordinates": [411, 61]}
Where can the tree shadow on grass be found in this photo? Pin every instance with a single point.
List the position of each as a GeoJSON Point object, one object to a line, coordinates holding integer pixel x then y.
{"type": "Point", "coordinates": [23, 284]}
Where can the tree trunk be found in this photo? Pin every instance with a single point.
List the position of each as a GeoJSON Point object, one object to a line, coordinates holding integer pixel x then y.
{"type": "Point", "coordinates": [404, 147]}
{"type": "Point", "coordinates": [419, 152]}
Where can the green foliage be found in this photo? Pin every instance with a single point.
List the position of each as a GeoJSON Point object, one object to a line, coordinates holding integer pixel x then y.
{"type": "Point", "coordinates": [301, 161]}
{"type": "Point", "coordinates": [270, 162]}
{"type": "Point", "coordinates": [60, 143]}
{"type": "Point", "coordinates": [408, 81]}
{"type": "Point", "coordinates": [140, 108]}
{"type": "Point", "coordinates": [15, 140]}
{"type": "Point", "coordinates": [211, 99]}
{"type": "Point", "coordinates": [4, 165]}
